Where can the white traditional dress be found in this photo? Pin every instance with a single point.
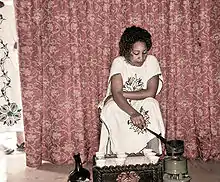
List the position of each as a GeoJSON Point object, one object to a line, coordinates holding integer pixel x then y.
{"type": "Point", "coordinates": [10, 90]}
{"type": "Point", "coordinates": [118, 134]}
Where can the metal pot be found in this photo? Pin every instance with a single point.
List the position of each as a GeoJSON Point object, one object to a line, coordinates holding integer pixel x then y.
{"type": "Point", "coordinates": [174, 147]}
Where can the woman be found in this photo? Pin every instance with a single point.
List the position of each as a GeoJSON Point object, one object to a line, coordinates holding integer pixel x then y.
{"type": "Point", "coordinates": [129, 106]}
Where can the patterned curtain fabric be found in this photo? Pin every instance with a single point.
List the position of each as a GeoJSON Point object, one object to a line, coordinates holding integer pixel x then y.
{"type": "Point", "coordinates": [66, 49]}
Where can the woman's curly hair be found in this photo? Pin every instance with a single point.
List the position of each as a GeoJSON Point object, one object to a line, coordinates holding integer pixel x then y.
{"type": "Point", "coordinates": [130, 36]}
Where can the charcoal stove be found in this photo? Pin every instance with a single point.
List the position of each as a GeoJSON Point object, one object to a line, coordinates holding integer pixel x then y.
{"type": "Point", "coordinates": [175, 169]}
{"type": "Point", "coordinates": [175, 164]}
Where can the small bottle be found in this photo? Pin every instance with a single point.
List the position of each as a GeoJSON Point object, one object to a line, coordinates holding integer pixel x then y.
{"type": "Point", "coordinates": [79, 173]}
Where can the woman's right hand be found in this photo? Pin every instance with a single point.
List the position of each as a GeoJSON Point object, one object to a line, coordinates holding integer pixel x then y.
{"type": "Point", "coordinates": [138, 120]}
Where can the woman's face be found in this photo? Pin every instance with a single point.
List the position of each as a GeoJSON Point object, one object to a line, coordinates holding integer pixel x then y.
{"type": "Point", "coordinates": [138, 53]}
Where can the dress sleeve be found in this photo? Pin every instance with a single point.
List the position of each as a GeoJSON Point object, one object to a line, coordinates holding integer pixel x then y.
{"type": "Point", "coordinates": [153, 69]}
{"type": "Point", "coordinates": [117, 66]}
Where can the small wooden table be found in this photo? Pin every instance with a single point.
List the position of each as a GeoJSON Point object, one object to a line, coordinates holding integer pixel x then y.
{"type": "Point", "coordinates": [132, 173]}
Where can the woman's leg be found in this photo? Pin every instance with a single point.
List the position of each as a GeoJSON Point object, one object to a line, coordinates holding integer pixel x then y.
{"type": "Point", "coordinates": [20, 137]}
{"type": "Point", "coordinates": [154, 145]}
{"type": "Point", "coordinates": [20, 141]}
{"type": "Point", "coordinates": [151, 106]}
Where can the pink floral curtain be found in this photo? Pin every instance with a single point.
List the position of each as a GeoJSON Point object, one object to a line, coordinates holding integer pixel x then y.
{"type": "Point", "coordinates": [66, 49]}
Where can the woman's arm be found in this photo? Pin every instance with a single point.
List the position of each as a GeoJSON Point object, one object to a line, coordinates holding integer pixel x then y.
{"type": "Point", "coordinates": [151, 90]}
{"type": "Point", "coordinates": [121, 101]}
{"type": "Point", "coordinates": [117, 93]}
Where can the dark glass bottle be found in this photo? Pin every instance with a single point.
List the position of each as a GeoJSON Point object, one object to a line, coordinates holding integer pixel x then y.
{"type": "Point", "coordinates": [79, 173]}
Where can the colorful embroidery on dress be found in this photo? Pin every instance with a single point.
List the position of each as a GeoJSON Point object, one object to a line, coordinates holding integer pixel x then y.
{"type": "Point", "coordinates": [133, 84]}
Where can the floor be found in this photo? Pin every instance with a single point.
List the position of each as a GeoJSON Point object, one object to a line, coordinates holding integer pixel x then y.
{"type": "Point", "coordinates": [199, 171]}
